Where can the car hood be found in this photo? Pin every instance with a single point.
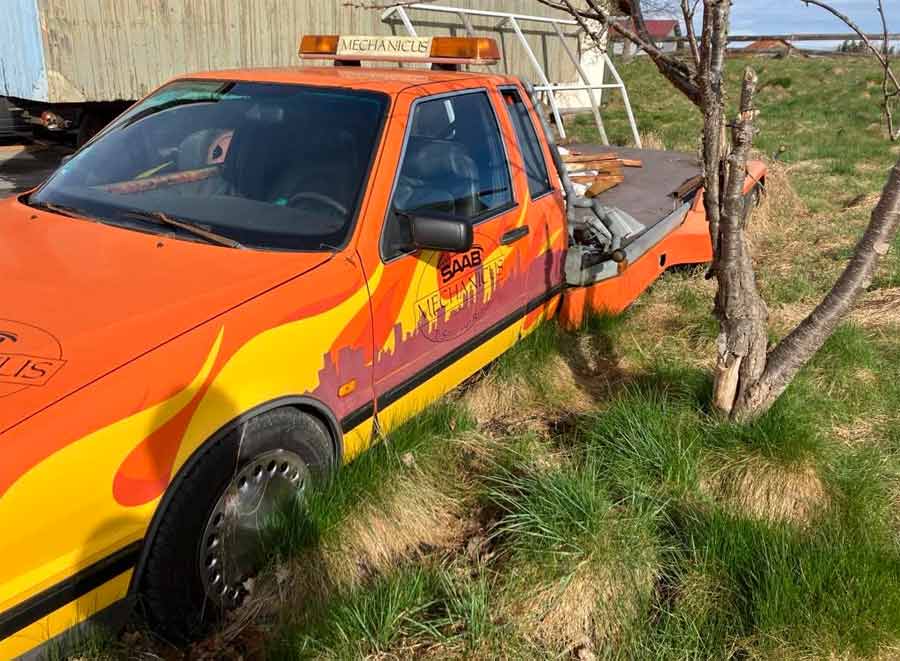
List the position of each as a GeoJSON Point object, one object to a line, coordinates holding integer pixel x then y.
{"type": "Point", "coordinates": [80, 299]}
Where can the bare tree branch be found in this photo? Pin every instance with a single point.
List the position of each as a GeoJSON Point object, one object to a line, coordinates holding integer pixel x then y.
{"type": "Point", "coordinates": [716, 15]}
{"type": "Point", "coordinates": [687, 11]}
{"type": "Point", "coordinates": [881, 57]}
{"type": "Point", "coordinates": [786, 359]}
{"type": "Point", "coordinates": [887, 94]}
{"type": "Point", "coordinates": [676, 71]}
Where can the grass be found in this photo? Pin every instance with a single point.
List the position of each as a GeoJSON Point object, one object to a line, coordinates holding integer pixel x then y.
{"type": "Point", "coordinates": [580, 500]}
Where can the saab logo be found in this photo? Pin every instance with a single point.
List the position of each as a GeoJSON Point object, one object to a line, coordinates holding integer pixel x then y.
{"type": "Point", "coordinates": [29, 357]}
{"type": "Point", "coordinates": [459, 263]}
{"type": "Point", "coordinates": [458, 290]}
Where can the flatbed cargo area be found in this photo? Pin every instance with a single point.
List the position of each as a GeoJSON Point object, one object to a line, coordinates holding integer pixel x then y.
{"type": "Point", "coordinates": [646, 194]}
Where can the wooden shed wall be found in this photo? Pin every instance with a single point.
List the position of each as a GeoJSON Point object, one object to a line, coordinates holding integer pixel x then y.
{"type": "Point", "coordinates": [96, 50]}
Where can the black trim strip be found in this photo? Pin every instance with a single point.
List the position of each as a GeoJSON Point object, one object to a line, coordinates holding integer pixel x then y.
{"type": "Point", "coordinates": [42, 604]}
{"type": "Point", "coordinates": [357, 417]}
{"type": "Point", "coordinates": [464, 349]}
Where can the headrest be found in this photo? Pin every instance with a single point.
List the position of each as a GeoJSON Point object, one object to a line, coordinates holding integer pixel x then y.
{"type": "Point", "coordinates": [265, 113]}
{"type": "Point", "coordinates": [440, 158]}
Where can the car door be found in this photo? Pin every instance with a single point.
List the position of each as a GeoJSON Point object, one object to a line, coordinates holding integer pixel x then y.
{"type": "Point", "coordinates": [450, 313]}
{"type": "Point", "coordinates": [544, 251]}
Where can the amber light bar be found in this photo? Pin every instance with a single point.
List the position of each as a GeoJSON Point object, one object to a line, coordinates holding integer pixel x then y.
{"type": "Point", "coordinates": [441, 50]}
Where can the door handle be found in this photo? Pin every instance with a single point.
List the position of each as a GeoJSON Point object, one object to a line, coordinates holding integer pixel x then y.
{"type": "Point", "coordinates": [513, 235]}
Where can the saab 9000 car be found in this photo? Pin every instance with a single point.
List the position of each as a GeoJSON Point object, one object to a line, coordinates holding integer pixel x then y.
{"type": "Point", "coordinates": [241, 283]}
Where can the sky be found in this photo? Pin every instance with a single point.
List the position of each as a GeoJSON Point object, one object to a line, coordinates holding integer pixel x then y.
{"type": "Point", "coordinates": [787, 16]}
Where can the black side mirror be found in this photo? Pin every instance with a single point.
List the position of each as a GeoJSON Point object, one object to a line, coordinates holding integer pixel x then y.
{"type": "Point", "coordinates": [441, 234]}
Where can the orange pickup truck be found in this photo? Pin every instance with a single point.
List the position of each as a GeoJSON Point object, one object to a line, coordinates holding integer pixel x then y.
{"type": "Point", "coordinates": [251, 276]}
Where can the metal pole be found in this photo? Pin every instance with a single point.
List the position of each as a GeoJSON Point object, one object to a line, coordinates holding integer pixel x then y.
{"type": "Point", "coordinates": [483, 12]}
{"type": "Point", "coordinates": [595, 106]}
{"type": "Point", "coordinates": [575, 88]}
{"type": "Point", "coordinates": [540, 70]}
{"type": "Point", "coordinates": [465, 21]}
{"type": "Point", "coordinates": [403, 17]}
{"type": "Point", "coordinates": [634, 131]}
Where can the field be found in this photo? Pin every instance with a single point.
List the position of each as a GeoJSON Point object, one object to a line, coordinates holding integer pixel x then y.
{"type": "Point", "coordinates": [578, 500]}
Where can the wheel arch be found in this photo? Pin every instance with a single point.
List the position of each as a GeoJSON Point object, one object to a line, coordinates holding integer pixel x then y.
{"type": "Point", "coordinates": [305, 404]}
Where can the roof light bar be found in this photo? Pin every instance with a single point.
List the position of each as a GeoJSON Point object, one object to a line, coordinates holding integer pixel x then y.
{"type": "Point", "coordinates": [437, 50]}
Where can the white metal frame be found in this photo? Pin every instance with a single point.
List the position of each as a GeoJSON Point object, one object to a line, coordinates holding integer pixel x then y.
{"type": "Point", "coordinates": [545, 86]}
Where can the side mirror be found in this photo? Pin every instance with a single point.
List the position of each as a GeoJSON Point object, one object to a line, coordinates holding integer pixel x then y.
{"type": "Point", "coordinates": [441, 234]}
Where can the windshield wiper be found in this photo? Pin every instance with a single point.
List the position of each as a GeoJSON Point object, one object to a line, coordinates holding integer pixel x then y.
{"type": "Point", "coordinates": [63, 210]}
{"type": "Point", "coordinates": [196, 230]}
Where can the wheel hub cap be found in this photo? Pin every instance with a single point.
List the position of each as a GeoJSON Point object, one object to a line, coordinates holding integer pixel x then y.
{"type": "Point", "coordinates": [230, 550]}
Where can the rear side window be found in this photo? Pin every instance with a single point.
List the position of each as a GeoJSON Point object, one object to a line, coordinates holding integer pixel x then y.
{"type": "Point", "coordinates": [532, 154]}
{"type": "Point", "coordinates": [454, 166]}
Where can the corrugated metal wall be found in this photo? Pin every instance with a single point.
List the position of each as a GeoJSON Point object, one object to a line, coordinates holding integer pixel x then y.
{"type": "Point", "coordinates": [109, 49]}
{"type": "Point", "coordinates": [21, 51]}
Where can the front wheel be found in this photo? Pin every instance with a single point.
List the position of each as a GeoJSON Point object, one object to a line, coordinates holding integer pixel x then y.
{"type": "Point", "coordinates": [208, 543]}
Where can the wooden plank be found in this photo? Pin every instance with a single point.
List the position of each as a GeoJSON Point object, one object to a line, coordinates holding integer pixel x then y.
{"type": "Point", "coordinates": [611, 167]}
{"type": "Point", "coordinates": [631, 162]}
{"type": "Point", "coordinates": [603, 183]}
{"type": "Point", "coordinates": [689, 186]}
{"type": "Point", "coordinates": [583, 158]}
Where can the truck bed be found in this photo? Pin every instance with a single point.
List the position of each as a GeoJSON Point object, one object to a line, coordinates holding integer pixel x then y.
{"type": "Point", "coordinates": [646, 193]}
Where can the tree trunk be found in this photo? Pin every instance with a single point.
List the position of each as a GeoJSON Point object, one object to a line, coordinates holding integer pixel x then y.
{"type": "Point", "coordinates": [742, 314]}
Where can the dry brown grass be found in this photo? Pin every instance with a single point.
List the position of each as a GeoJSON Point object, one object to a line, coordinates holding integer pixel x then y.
{"type": "Point", "coordinates": [417, 516]}
{"type": "Point", "coordinates": [878, 308]}
{"type": "Point", "coordinates": [651, 140]}
{"type": "Point", "coordinates": [779, 206]}
{"type": "Point", "coordinates": [768, 491]}
{"type": "Point", "coordinates": [585, 611]}
{"type": "Point", "coordinates": [859, 430]}
{"type": "Point", "coordinates": [413, 519]}
{"type": "Point", "coordinates": [573, 384]}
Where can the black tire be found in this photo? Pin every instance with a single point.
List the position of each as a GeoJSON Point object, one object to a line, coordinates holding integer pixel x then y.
{"type": "Point", "coordinates": [171, 589]}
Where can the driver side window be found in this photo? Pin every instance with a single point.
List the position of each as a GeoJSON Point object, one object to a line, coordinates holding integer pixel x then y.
{"type": "Point", "coordinates": [454, 167]}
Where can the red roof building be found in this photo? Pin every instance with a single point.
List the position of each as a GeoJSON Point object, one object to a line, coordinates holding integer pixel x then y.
{"type": "Point", "coordinates": [657, 27]}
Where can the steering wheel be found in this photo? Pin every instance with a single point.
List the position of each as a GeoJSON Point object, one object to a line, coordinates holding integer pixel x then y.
{"type": "Point", "coordinates": [318, 197]}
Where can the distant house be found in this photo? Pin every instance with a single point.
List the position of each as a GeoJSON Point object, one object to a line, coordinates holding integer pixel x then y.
{"type": "Point", "coordinates": [769, 45]}
{"type": "Point", "coordinates": [659, 28]}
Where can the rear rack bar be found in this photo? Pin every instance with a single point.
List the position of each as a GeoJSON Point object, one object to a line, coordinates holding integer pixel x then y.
{"type": "Point", "coordinates": [546, 87]}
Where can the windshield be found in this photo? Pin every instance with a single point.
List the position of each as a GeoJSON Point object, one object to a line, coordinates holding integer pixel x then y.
{"type": "Point", "coordinates": [265, 165]}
